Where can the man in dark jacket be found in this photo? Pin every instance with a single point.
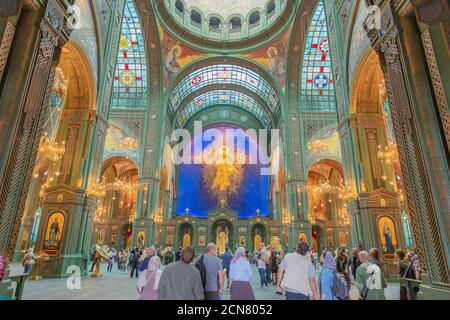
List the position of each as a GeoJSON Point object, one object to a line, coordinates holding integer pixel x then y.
{"type": "Point", "coordinates": [135, 263]}
{"type": "Point", "coordinates": [353, 263]}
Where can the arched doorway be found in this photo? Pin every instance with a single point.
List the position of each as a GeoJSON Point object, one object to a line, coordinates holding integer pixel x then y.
{"type": "Point", "coordinates": [186, 235]}
{"type": "Point", "coordinates": [258, 236]}
{"type": "Point", "coordinates": [381, 180]}
{"type": "Point", "coordinates": [125, 239]}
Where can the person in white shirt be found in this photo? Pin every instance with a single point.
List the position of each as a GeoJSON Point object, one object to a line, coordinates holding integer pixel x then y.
{"type": "Point", "coordinates": [241, 274]}
{"type": "Point", "coordinates": [296, 275]}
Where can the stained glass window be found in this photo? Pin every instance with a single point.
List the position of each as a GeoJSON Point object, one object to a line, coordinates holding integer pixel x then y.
{"type": "Point", "coordinates": [223, 97]}
{"type": "Point", "coordinates": [130, 79]}
{"type": "Point", "coordinates": [224, 74]}
{"type": "Point", "coordinates": [317, 75]}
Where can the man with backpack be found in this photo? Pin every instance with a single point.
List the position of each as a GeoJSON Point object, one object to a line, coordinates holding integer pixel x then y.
{"type": "Point", "coordinates": [211, 272]}
{"type": "Point", "coordinates": [370, 279]}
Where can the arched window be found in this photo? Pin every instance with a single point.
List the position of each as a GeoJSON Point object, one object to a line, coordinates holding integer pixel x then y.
{"type": "Point", "coordinates": [254, 18]}
{"type": "Point", "coordinates": [271, 7]}
{"type": "Point", "coordinates": [317, 93]}
{"type": "Point", "coordinates": [130, 79]}
{"type": "Point", "coordinates": [214, 23]}
{"type": "Point", "coordinates": [196, 17]}
{"type": "Point", "coordinates": [235, 23]}
{"type": "Point", "coordinates": [179, 6]}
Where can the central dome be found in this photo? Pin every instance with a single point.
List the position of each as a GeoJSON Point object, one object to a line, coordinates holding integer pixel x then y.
{"type": "Point", "coordinates": [226, 24]}
{"type": "Point", "coordinates": [227, 8]}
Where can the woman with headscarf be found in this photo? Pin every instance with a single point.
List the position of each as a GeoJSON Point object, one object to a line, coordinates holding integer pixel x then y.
{"type": "Point", "coordinates": [241, 275]}
{"type": "Point", "coordinates": [326, 278]}
{"type": "Point", "coordinates": [148, 282]}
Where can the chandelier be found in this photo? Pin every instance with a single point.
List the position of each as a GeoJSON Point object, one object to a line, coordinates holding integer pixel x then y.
{"type": "Point", "coordinates": [317, 146]}
{"type": "Point", "coordinates": [129, 144]}
{"type": "Point", "coordinates": [344, 192]}
{"type": "Point", "coordinates": [50, 149]}
{"type": "Point", "coordinates": [100, 213]}
{"type": "Point", "coordinates": [388, 154]}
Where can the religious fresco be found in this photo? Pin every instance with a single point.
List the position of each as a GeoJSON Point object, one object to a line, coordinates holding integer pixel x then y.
{"type": "Point", "coordinates": [302, 237]}
{"type": "Point", "coordinates": [388, 236]}
{"type": "Point", "coordinates": [175, 56]}
{"type": "Point", "coordinates": [222, 184]}
{"type": "Point", "coordinates": [53, 235]}
{"type": "Point", "coordinates": [185, 234]}
{"type": "Point", "coordinates": [202, 241]}
{"type": "Point", "coordinates": [342, 239]}
{"type": "Point", "coordinates": [273, 57]}
{"type": "Point", "coordinates": [325, 144]}
{"type": "Point", "coordinates": [140, 240]}
{"type": "Point", "coordinates": [101, 236]}
{"type": "Point", "coordinates": [222, 237]}
{"type": "Point", "coordinates": [118, 141]}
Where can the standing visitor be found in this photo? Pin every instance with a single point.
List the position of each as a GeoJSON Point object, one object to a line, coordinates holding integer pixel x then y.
{"type": "Point", "coordinates": [135, 256]}
{"type": "Point", "coordinates": [148, 282]}
{"type": "Point", "coordinates": [402, 267]}
{"type": "Point", "coordinates": [353, 263]}
{"type": "Point", "coordinates": [262, 270]}
{"type": "Point", "coordinates": [28, 261]}
{"type": "Point", "coordinates": [326, 277]}
{"type": "Point", "coordinates": [119, 260]}
{"type": "Point", "coordinates": [92, 258]}
{"type": "Point", "coordinates": [214, 273]}
{"type": "Point", "coordinates": [265, 254]}
{"type": "Point", "coordinates": [111, 256]}
{"type": "Point", "coordinates": [370, 279]}
{"type": "Point", "coordinates": [149, 253]}
{"type": "Point", "coordinates": [241, 274]}
{"type": "Point", "coordinates": [296, 275]}
{"type": "Point", "coordinates": [374, 257]}
{"type": "Point", "coordinates": [181, 280]}
{"type": "Point", "coordinates": [226, 261]}
{"type": "Point", "coordinates": [273, 267]}
{"type": "Point", "coordinates": [414, 272]}
{"type": "Point", "coordinates": [341, 266]}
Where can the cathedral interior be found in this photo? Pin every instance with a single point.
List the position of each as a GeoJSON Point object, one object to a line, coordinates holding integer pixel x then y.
{"type": "Point", "coordinates": [343, 101]}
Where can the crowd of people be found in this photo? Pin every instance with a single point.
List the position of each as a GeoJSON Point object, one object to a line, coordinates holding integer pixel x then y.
{"type": "Point", "coordinates": [301, 275]}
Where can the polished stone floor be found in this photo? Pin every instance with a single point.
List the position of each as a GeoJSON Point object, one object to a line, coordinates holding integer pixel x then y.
{"type": "Point", "coordinates": [116, 286]}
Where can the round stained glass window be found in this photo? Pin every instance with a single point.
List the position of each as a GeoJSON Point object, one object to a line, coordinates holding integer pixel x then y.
{"type": "Point", "coordinates": [325, 46]}
{"type": "Point", "coordinates": [127, 78]}
{"type": "Point", "coordinates": [321, 81]}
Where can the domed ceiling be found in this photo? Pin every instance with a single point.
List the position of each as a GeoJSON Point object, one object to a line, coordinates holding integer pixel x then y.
{"type": "Point", "coordinates": [227, 8]}
{"type": "Point", "coordinates": [226, 25]}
